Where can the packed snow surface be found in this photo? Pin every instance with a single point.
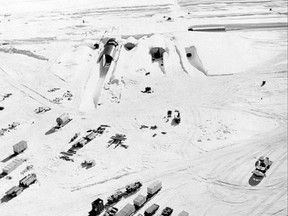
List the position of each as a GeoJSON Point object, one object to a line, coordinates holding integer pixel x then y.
{"type": "Point", "coordinates": [230, 88]}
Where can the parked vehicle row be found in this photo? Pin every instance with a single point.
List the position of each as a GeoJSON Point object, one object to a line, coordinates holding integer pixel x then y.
{"type": "Point", "coordinates": [23, 184]}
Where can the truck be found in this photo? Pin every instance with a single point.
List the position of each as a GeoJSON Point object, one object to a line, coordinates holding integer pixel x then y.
{"type": "Point", "coordinates": [13, 165]}
{"type": "Point", "coordinates": [97, 207]}
{"type": "Point", "coordinates": [139, 201]}
{"type": "Point", "coordinates": [183, 213]}
{"type": "Point", "coordinates": [28, 180]}
{"type": "Point", "coordinates": [133, 187]}
{"type": "Point", "coordinates": [154, 188]}
{"type": "Point", "coordinates": [111, 211]}
{"type": "Point", "coordinates": [115, 197]}
{"type": "Point", "coordinates": [127, 210]}
{"type": "Point", "coordinates": [20, 147]}
{"type": "Point", "coordinates": [62, 120]}
{"type": "Point", "coordinates": [151, 210]}
{"type": "Point", "coordinates": [14, 191]}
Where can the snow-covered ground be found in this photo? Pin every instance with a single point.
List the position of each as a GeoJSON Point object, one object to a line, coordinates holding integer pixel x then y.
{"type": "Point", "coordinates": [228, 119]}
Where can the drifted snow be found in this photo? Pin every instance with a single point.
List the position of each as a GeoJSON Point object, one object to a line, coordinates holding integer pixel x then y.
{"type": "Point", "coordinates": [227, 119]}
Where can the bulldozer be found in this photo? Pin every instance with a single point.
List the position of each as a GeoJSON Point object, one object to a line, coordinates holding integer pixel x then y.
{"type": "Point", "coordinates": [261, 166]}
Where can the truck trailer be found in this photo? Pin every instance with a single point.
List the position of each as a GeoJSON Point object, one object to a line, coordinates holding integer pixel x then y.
{"type": "Point", "coordinates": [139, 201]}
{"type": "Point", "coordinates": [154, 188]}
{"type": "Point", "coordinates": [127, 210]}
{"type": "Point", "coordinates": [13, 165]}
{"type": "Point", "coordinates": [20, 147]}
{"type": "Point", "coordinates": [28, 180]}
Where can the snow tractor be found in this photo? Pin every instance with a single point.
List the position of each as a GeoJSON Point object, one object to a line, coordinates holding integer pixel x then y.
{"type": "Point", "coordinates": [133, 187]}
{"type": "Point", "coordinates": [261, 166]}
{"type": "Point", "coordinates": [115, 197]}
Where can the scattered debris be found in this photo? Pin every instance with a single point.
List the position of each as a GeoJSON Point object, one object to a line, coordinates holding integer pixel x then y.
{"type": "Point", "coordinates": [263, 83]}
{"type": "Point", "coordinates": [153, 127]}
{"type": "Point", "coordinates": [154, 135]}
{"type": "Point", "coordinates": [67, 158]}
{"type": "Point", "coordinates": [147, 90]}
{"type": "Point", "coordinates": [96, 46]}
{"type": "Point", "coordinates": [27, 169]}
{"type": "Point", "coordinates": [57, 100]}
{"type": "Point", "coordinates": [164, 132]}
{"type": "Point", "coordinates": [74, 137]}
{"type": "Point", "coordinates": [143, 126]}
{"type": "Point", "coordinates": [10, 127]}
{"type": "Point", "coordinates": [117, 140]}
{"type": "Point", "coordinates": [42, 109]}
{"type": "Point", "coordinates": [88, 163]}
{"type": "Point", "coordinates": [53, 89]}
{"type": "Point", "coordinates": [7, 95]}
{"type": "Point", "coordinates": [68, 95]}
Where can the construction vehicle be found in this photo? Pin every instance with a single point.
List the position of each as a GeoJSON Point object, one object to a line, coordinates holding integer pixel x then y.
{"type": "Point", "coordinates": [133, 187]}
{"type": "Point", "coordinates": [111, 211]}
{"type": "Point", "coordinates": [261, 166]}
{"type": "Point", "coordinates": [151, 210]}
{"type": "Point", "coordinates": [28, 180]}
{"type": "Point", "coordinates": [20, 147]}
{"type": "Point", "coordinates": [127, 210]}
{"type": "Point", "coordinates": [115, 197]}
{"type": "Point", "coordinates": [167, 211]}
{"type": "Point", "coordinates": [97, 207]}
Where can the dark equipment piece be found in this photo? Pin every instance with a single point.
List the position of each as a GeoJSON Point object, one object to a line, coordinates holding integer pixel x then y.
{"type": "Point", "coordinates": [261, 166]}
{"type": "Point", "coordinates": [167, 211]}
{"type": "Point", "coordinates": [133, 187]}
{"type": "Point", "coordinates": [97, 207]}
{"type": "Point", "coordinates": [263, 83]}
{"type": "Point", "coordinates": [115, 197]}
{"type": "Point", "coordinates": [151, 210]}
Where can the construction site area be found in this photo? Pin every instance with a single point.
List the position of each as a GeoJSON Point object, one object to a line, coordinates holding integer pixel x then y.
{"type": "Point", "coordinates": [122, 108]}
